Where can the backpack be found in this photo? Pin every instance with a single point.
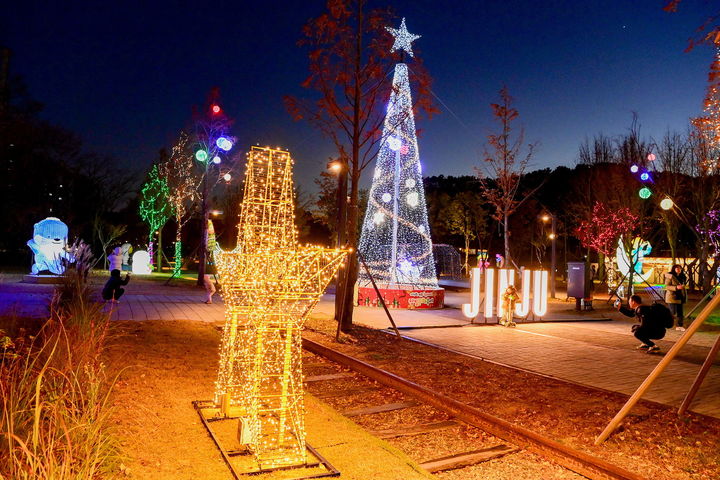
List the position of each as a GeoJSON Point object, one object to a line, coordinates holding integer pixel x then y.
{"type": "Point", "coordinates": [661, 315]}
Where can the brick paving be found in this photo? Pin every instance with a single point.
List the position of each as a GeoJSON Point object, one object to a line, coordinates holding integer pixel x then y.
{"type": "Point", "coordinates": [595, 353]}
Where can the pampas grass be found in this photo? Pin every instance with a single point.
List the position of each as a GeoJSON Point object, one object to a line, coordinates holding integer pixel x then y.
{"type": "Point", "coordinates": [55, 416]}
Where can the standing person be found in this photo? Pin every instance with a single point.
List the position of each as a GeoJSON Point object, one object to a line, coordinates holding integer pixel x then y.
{"type": "Point", "coordinates": [115, 259]}
{"type": "Point", "coordinates": [510, 298]}
{"type": "Point", "coordinates": [112, 290]}
{"type": "Point", "coordinates": [209, 279]}
{"type": "Point", "coordinates": [675, 293]}
{"type": "Point", "coordinates": [650, 328]}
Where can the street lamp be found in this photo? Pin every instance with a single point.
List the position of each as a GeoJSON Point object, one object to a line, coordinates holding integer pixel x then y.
{"type": "Point", "coordinates": [339, 167]}
{"type": "Point", "coordinates": [553, 259]}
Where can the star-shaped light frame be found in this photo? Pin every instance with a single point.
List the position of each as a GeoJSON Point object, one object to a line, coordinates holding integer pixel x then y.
{"type": "Point", "coordinates": [403, 38]}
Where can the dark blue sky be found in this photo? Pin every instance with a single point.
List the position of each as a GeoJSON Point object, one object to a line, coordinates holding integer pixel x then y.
{"type": "Point", "coordinates": [125, 75]}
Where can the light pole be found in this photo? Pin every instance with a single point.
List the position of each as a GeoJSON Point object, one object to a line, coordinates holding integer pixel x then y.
{"type": "Point", "coordinates": [339, 167]}
{"type": "Point", "coordinates": [553, 259]}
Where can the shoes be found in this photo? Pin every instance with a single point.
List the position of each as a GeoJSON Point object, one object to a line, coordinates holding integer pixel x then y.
{"type": "Point", "coordinates": [680, 329]}
{"type": "Point", "coordinates": [653, 349]}
{"type": "Point", "coordinates": [642, 346]}
{"type": "Point", "coordinates": [208, 302]}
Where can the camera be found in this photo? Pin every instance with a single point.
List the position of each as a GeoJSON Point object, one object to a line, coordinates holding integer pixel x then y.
{"type": "Point", "coordinates": [617, 303]}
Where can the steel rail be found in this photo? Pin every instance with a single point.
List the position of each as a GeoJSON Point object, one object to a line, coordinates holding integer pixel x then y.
{"type": "Point", "coordinates": [575, 460]}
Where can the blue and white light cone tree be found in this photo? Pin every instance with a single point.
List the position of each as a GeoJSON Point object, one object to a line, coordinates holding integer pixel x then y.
{"type": "Point", "coordinates": [395, 239]}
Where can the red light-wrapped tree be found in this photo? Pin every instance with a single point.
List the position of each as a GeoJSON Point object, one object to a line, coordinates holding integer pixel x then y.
{"type": "Point", "coordinates": [603, 231]}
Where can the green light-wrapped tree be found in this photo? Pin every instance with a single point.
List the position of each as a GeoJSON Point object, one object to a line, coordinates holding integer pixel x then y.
{"type": "Point", "coordinates": [155, 208]}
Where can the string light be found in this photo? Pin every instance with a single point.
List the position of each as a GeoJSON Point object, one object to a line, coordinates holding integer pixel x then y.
{"type": "Point", "coordinates": [395, 240]}
{"type": "Point", "coordinates": [270, 284]}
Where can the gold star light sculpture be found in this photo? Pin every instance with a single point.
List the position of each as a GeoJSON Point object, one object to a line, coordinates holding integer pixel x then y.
{"type": "Point", "coordinates": [270, 284]}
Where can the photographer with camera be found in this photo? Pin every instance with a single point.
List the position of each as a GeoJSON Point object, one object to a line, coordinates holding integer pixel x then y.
{"type": "Point", "coordinates": [653, 321]}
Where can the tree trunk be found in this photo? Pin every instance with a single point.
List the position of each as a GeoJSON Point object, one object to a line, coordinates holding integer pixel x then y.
{"type": "Point", "coordinates": [346, 315]}
{"type": "Point", "coordinates": [159, 250]}
{"type": "Point", "coordinates": [506, 238]}
{"type": "Point", "coordinates": [202, 255]}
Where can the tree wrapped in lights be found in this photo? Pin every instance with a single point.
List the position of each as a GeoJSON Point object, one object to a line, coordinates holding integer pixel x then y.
{"type": "Point", "coordinates": [270, 284]}
{"type": "Point", "coordinates": [155, 208]}
{"type": "Point", "coordinates": [179, 173]}
{"type": "Point", "coordinates": [212, 143]}
{"type": "Point", "coordinates": [708, 125]}
{"type": "Point", "coordinates": [603, 232]}
{"type": "Point", "coordinates": [395, 239]}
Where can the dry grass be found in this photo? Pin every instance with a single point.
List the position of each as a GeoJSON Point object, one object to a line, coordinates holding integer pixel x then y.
{"type": "Point", "coordinates": [54, 392]}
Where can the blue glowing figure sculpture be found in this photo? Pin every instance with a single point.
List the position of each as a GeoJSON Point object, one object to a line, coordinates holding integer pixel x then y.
{"type": "Point", "coordinates": [49, 245]}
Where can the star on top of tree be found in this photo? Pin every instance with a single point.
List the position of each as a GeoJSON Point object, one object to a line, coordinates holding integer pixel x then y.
{"type": "Point", "coordinates": [403, 38]}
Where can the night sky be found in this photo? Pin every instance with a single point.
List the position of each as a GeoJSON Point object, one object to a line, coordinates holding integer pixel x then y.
{"type": "Point", "coordinates": [125, 75]}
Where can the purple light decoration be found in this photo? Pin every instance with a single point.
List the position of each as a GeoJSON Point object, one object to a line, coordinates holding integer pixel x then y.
{"type": "Point", "coordinates": [645, 176]}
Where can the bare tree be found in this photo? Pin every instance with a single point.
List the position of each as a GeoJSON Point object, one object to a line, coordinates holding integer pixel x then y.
{"type": "Point", "coordinates": [505, 162]}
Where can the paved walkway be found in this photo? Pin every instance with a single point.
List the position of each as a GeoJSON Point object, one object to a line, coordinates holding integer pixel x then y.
{"type": "Point", "coordinates": [595, 353]}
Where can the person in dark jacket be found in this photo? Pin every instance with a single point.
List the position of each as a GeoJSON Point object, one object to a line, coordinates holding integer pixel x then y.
{"type": "Point", "coordinates": [650, 328]}
{"type": "Point", "coordinates": [675, 294]}
{"type": "Point", "coordinates": [112, 290]}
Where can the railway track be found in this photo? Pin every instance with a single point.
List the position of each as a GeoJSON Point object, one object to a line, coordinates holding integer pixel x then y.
{"type": "Point", "coordinates": [445, 415]}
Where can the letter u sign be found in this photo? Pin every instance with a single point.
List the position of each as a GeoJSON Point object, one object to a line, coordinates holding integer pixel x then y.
{"type": "Point", "coordinates": [533, 287]}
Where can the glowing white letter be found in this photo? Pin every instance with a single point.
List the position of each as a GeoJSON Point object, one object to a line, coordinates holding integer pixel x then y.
{"type": "Point", "coordinates": [472, 309]}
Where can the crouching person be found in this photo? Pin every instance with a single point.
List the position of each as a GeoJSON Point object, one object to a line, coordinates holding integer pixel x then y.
{"type": "Point", "coordinates": [652, 325]}
{"type": "Point", "coordinates": [112, 290]}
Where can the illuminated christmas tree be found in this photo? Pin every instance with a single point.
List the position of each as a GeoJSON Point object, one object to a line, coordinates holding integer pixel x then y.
{"type": "Point", "coordinates": [395, 239]}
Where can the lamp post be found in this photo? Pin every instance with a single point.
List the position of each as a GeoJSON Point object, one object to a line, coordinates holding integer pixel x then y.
{"type": "Point", "coordinates": [339, 167]}
{"type": "Point", "coordinates": [553, 259]}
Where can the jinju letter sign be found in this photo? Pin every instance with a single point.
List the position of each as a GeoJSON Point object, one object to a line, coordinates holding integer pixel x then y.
{"type": "Point", "coordinates": [494, 292]}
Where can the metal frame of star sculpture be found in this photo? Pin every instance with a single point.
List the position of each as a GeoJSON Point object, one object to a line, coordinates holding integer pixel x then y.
{"type": "Point", "coordinates": [270, 284]}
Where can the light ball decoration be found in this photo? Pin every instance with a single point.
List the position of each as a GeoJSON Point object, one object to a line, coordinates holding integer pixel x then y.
{"type": "Point", "coordinates": [651, 157]}
{"type": "Point", "coordinates": [645, 176]}
{"type": "Point", "coordinates": [645, 193]}
{"type": "Point", "coordinates": [386, 197]}
{"type": "Point", "coordinates": [216, 160]}
{"type": "Point", "coordinates": [410, 182]}
{"type": "Point", "coordinates": [413, 199]}
{"type": "Point", "coordinates": [201, 155]}
{"type": "Point", "coordinates": [634, 168]}
{"type": "Point", "coordinates": [394, 143]}
{"type": "Point", "coordinates": [270, 284]}
{"type": "Point", "coordinates": [227, 177]}
{"type": "Point", "coordinates": [666, 203]}
{"type": "Point", "coordinates": [216, 109]}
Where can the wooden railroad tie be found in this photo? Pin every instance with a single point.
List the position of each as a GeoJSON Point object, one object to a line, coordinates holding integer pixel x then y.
{"type": "Point", "coordinates": [345, 393]}
{"type": "Point", "coordinates": [329, 376]}
{"type": "Point", "coordinates": [388, 407]}
{"type": "Point", "coordinates": [414, 429]}
{"type": "Point", "coordinates": [466, 459]}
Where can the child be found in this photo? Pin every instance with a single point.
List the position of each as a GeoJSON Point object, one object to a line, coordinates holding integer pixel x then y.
{"type": "Point", "coordinates": [510, 298]}
{"type": "Point", "coordinates": [112, 290]}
